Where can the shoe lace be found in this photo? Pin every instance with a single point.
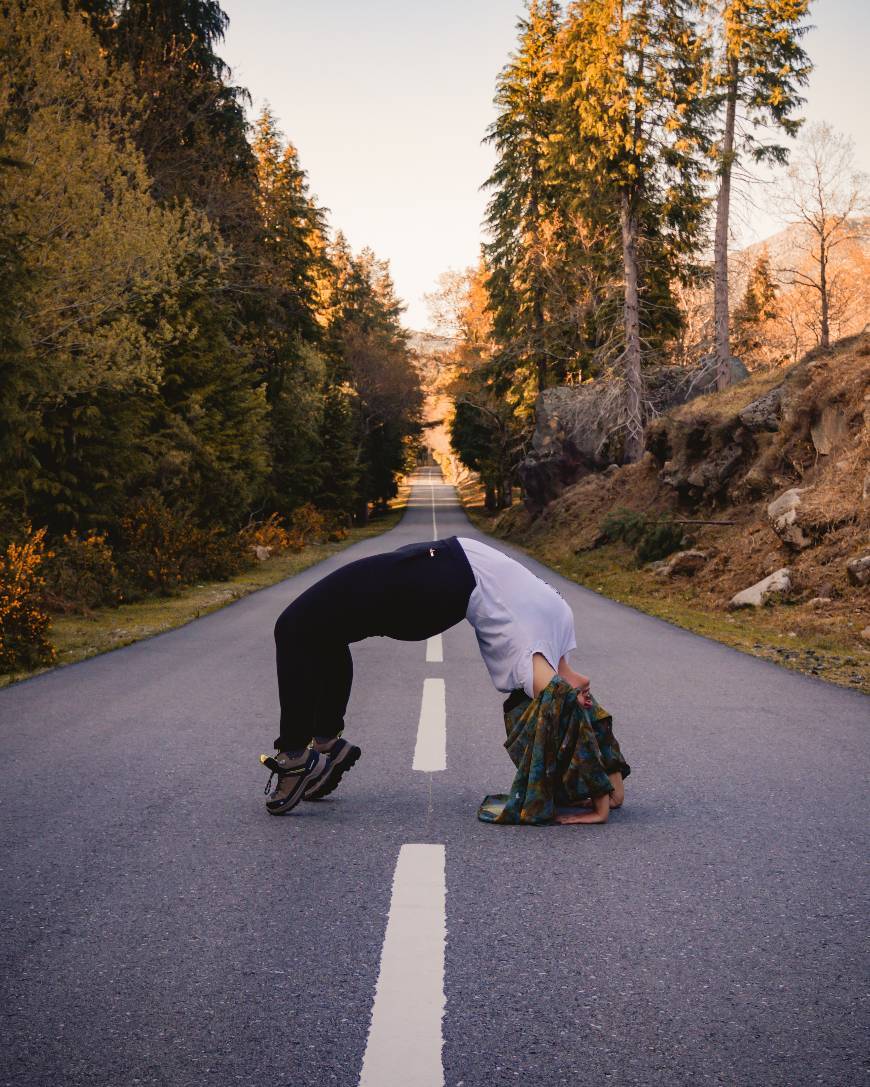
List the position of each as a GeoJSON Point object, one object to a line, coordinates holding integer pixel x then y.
{"type": "Point", "coordinates": [281, 774]}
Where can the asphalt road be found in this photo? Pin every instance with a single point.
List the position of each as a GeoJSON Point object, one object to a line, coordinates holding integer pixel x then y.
{"type": "Point", "coordinates": [159, 928]}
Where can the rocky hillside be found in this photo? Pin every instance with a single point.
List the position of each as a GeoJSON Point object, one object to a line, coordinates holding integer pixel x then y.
{"type": "Point", "coordinates": [771, 477]}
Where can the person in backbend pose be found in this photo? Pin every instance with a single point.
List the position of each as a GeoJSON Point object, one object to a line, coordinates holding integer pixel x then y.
{"type": "Point", "coordinates": [524, 629]}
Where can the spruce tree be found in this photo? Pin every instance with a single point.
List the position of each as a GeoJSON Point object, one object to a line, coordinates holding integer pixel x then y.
{"type": "Point", "coordinates": [758, 306]}
{"type": "Point", "coordinates": [285, 332]}
{"type": "Point", "coordinates": [521, 211]}
{"type": "Point", "coordinates": [758, 72]}
{"type": "Point", "coordinates": [634, 130]}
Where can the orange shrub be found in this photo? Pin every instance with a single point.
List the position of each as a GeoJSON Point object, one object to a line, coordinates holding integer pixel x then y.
{"type": "Point", "coordinates": [163, 549]}
{"type": "Point", "coordinates": [309, 523]}
{"type": "Point", "coordinates": [270, 533]}
{"type": "Point", "coordinates": [23, 622]}
{"type": "Point", "coordinates": [82, 574]}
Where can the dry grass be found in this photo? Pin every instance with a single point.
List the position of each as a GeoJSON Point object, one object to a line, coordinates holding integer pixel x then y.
{"type": "Point", "coordinates": [819, 638]}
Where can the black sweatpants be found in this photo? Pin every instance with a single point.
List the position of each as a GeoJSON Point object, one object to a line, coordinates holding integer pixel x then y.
{"type": "Point", "coordinates": [410, 594]}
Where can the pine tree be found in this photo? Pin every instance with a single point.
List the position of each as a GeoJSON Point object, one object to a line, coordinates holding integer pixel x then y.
{"type": "Point", "coordinates": [190, 122]}
{"type": "Point", "coordinates": [631, 81]}
{"type": "Point", "coordinates": [757, 306]}
{"type": "Point", "coordinates": [285, 332]}
{"type": "Point", "coordinates": [759, 69]}
{"type": "Point", "coordinates": [522, 208]}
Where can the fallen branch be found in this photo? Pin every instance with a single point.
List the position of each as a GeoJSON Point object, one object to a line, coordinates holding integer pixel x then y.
{"type": "Point", "coordinates": [684, 522]}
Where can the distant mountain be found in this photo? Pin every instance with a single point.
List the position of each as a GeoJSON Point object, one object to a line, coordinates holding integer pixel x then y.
{"type": "Point", "coordinates": [786, 249]}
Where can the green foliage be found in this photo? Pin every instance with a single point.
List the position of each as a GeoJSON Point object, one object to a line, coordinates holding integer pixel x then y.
{"type": "Point", "coordinates": [762, 65]}
{"type": "Point", "coordinates": [171, 323]}
{"type": "Point", "coordinates": [650, 538]}
{"type": "Point", "coordinates": [81, 574]}
{"type": "Point", "coordinates": [660, 540]}
{"type": "Point", "coordinates": [525, 203]}
{"type": "Point", "coordinates": [759, 304]}
{"type": "Point", "coordinates": [24, 623]}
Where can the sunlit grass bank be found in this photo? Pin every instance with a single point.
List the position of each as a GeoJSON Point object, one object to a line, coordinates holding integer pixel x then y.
{"type": "Point", "coordinates": [789, 636]}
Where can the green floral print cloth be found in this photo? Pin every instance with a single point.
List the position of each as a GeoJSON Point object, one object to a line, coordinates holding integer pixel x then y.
{"type": "Point", "coordinates": [563, 753]}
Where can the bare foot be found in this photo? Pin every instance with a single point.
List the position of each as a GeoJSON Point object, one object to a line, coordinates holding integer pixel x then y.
{"type": "Point", "coordinates": [598, 814]}
{"type": "Point", "coordinates": [617, 797]}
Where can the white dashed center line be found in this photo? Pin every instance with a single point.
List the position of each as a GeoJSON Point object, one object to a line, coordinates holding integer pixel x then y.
{"type": "Point", "coordinates": [430, 753]}
{"type": "Point", "coordinates": [406, 1039]}
{"type": "Point", "coordinates": [434, 649]}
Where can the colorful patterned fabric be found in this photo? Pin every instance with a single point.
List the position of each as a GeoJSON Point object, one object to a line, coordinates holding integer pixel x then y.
{"type": "Point", "coordinates": [563, 753]}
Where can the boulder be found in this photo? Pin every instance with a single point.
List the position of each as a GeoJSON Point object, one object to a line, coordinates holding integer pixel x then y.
{"type": "Point", "coordinates": [763, 413]}
{"type": "Point", "coordinates": [262, 553]}
{"type": "Point", "coordinates": [685, 563]}
{"type": "Point", "coordinates": [756, 595]}
{"type": "Point", "coordinates": [830, 429]}
{"type": "Point", "coordinates": [858, 570]}
{"type": "Point", "coordinates": [707, 379]}
{"type": "Point", "coordinates": [783, 514]}
{"type": "Point", "coordinates": [819, 601]}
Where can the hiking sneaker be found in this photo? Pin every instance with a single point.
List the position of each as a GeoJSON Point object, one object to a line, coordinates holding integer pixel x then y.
{"type": "Point", "coordinates": [342, 756]}
{"type": "Point", "coordinates": [293, 779]}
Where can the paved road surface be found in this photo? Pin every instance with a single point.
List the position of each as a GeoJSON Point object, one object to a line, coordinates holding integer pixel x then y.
{"type": "Point", "coordinates": [159, 928]}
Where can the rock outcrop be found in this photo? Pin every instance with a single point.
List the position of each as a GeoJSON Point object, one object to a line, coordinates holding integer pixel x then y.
{"type": "Point", "coordinates": [577, 427]}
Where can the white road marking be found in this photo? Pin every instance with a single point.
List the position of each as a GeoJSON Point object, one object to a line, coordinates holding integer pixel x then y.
{"type": "Point", "coordinates": [430, 753]}
{"type": "Point", "coordinates": [406, 1037]}
{"type": "Point", "coordinates": [434, 649]}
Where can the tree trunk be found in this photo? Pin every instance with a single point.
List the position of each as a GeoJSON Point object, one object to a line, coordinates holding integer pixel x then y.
{"type": "Point", "coordinates": [631, 318]}
{"type": "Point", "coordinates": [489, 499]}
{"type": "Point", "coordinates": [824, 327]}
{"type": "Point", "coordinates": [721, 319]}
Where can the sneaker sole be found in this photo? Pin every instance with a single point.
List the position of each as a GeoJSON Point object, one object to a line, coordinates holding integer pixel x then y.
{"type": "Point", "coordinates": [333, 776]}
{"type": "Point", "coordinates": [290, 803]}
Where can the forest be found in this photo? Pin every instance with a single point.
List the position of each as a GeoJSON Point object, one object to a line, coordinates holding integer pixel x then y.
{"type": "Point", "coordinates": [622, 128]}
{"type": "Point", "coordinates": [195, 363]}
{"type": "Point", "coordinates": [190, 350]}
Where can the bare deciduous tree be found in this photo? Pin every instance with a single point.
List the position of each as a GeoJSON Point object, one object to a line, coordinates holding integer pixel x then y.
{"type": "Point", "coordinates": [828, 196]}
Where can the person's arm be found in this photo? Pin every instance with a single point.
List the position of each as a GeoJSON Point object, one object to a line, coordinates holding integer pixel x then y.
{"type": "Point", "coordinates": [581, 683]}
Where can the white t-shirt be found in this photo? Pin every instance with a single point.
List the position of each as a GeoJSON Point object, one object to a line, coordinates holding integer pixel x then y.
{"type": "Point", "coordinates": [514, 614]}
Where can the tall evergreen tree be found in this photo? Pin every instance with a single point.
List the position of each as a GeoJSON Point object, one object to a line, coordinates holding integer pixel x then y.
{"type": "Point", "coordinates": [758, 72]}
{"type": "Point", "coordinates": [190, 120]}
{"type": "Point", "coordinates": [523, 205]}
{"type": "Point", "coordinates": [632, 75]}
{"type": "Point", "coordinates": [283, 313]}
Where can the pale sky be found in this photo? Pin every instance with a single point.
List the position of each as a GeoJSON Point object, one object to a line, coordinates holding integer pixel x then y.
{"type": "Point", "coordinates": [387, 102]}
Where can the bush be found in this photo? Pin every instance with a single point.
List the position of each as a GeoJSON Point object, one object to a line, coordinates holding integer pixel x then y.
{"type": "Point", "coordinates": [163, 549]}
{"type": "Point", "coordinates": [153, 545]}
{"type": "Point", "coordinates": [626, 525]}
{"type": "Point", "coordinates": [24, 624]}
{"type": "Point", "coordinates": [659, 540]}
{"type": "Point", "coordinates": [211, 555]}
{"type": "Point", "coordinates": [651, 539]}
{"type": "Point", "coordinates": [270, 533]}
{"type": "Point", "coordinates": [309, 523]}
{"type": "Point", "coordinates": [81, 574]}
